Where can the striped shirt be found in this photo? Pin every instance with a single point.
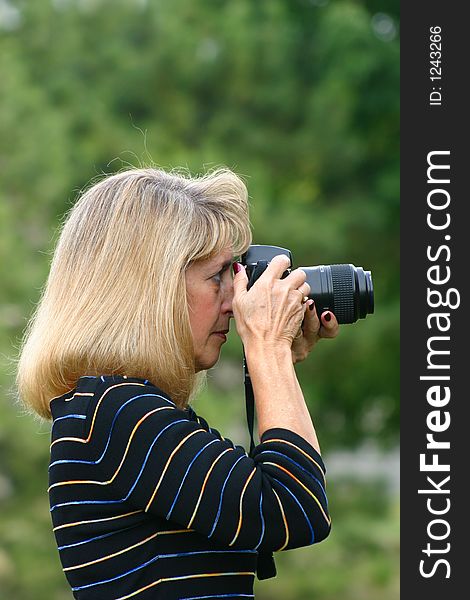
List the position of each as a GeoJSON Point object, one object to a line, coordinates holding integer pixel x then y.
{"type": "Point", "coordinates": [148, 502]}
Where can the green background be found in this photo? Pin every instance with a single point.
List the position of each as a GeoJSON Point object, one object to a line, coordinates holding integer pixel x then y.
{"type": "Point", "coordinates": [300, 97]}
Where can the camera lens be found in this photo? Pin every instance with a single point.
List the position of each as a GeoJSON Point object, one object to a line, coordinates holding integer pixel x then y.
{"type": "Point", "coordinates": [346, 290]}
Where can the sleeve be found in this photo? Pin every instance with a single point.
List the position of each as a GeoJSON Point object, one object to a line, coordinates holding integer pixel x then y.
{"type": "Point", "coordinates": [159, 460]}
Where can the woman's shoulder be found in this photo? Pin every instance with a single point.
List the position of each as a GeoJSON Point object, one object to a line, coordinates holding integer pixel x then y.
{"type": "Point", "coordinates": [98, 384]}
{"type": "Point", "coordinates": [119, 403]}
{"type": "Point", "coordinates": [122, 385]}
{"type": "Point", "coordinates": [111, 393]}
{"type": "Point", "coordinates": [108, 394]}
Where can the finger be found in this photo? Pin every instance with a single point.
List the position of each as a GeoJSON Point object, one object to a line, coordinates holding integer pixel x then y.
{"type": "Point", "coordinates": [276, 267]}
{"type": "Point", "coordinates": [240, 279]}
{"type": "Point", "coordinates": [329, 325]}
{"type": "Point", "coordinates": [311, 324]}
{"type": "Point", "coordinates": [297, 278]}
{"type": "Point", "coordinates": [304, 290]}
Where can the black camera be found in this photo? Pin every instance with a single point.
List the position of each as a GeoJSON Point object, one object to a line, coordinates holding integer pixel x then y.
{"type": "Point", "coordinates": [344, 289]}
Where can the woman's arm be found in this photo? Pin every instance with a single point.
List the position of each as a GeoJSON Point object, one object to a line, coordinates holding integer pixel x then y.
{"type": "Point", "coordinates": [278, 397]}
{"type": "Point", "coordinates": [268, 318]}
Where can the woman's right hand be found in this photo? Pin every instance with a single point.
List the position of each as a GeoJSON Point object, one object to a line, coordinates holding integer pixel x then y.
{"type": "Point", "coordinates": [272, 310]}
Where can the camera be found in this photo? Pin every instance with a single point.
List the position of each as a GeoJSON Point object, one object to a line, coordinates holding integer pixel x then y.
{"type": "Point", "coordinates": [344, 289]}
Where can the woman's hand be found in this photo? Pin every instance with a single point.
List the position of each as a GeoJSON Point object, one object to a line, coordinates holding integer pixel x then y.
{"type": "Point", "coordinates": [312, 330]}
{"type": "Point", "coordinates": [271, 311]}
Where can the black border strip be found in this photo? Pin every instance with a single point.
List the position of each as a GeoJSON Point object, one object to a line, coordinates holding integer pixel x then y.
{"type": "Point", "coordinates": [434, 120]}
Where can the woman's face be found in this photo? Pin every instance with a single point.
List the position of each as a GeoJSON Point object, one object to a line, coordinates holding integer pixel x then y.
{"type": "Point", "coordinates": [209, 289]}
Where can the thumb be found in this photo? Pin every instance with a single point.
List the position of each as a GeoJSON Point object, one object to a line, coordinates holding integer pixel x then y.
{"type": "Point", "coordinates": [240, 279]}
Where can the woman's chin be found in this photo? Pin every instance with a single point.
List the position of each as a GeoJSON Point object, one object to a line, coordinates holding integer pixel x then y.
{"type": "Point", "coordinates": [206, 362]}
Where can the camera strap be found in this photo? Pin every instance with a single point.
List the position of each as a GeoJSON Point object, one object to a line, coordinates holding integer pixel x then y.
{"type": "Point", "coordinates": [266, 567]}
{"type": "Point", "coordinates": [250, 404]}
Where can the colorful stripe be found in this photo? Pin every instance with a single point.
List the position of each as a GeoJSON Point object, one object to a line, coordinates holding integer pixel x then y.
{"type": "Point", "coordinates": [203, 487]}
{"type": "Point", "coordinates": [184, 440]}
{"type": "Point", "coordinates": [160, 557]}
{"type": "Point", "coordinates": [88, 438]}
{"type": "Point", "coordinates": [185, 577]}
{"type": "Point", "coordinates": [222, 496]}
{"type": "Point", "coordinates": [101, 457]}
{"type": "Point", "coordinates": [73, 395]}
{"type": "Point", "coordinates": [79, 502]}
{"type": "Point", "coordinates": [312, 534]}
{"type": "Point", "coordinates": [95, 462]}
{"type": "Point", "coordinates": [327, 519]}
{"type": "Point", "coordinates": [281, 441]}
{"type": "Point", "coordinates": [307, 473]}
{"type": "Point", "coordinates": [123, 551]}
{"type": "Point", "coordinates": [65, 525]}
{"type": "Point", "coordinates": [186, 475]}
{"type": "Point", "coordinates": [98, 537]}
{"type": "Point", "coordinates": [68, 417]}
{"type": "Point", "coordinates": [261, 516]}
{"type": "Point", "coordinates": [284, 520]}
{"type": "Point", "coordinates": [240, 520]}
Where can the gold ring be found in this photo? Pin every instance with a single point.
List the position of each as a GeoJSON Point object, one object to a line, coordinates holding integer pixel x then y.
{"type": "Point", "coordinates": [304, 300]}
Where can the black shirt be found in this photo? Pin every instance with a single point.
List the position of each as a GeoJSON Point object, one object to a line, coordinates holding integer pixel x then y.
{"type": "Point", "coordinates": [147, 501]}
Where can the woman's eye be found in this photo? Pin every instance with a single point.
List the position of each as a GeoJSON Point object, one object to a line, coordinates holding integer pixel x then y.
{"type": "Point", "coordinates": [222, 275]}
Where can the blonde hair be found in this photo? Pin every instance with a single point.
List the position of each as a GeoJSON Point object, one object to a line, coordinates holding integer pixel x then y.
{"type": "Point", "coordinates": [115, 299]}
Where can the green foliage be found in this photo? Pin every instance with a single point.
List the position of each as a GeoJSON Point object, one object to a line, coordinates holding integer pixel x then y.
{"type": "Point", "coordinates": [301, 98]}
{"type": "Point", "coordinates": [298, 96]}
{"type": "Point", "coordinates": [357, 561]}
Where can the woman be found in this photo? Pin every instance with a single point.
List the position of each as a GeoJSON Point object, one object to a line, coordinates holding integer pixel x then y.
{"type": "Point", "coordinates": [147, 500]}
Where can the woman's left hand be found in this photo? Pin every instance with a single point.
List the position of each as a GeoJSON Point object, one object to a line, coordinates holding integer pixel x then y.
{"type": "Point", "coordinates": [312, 330]}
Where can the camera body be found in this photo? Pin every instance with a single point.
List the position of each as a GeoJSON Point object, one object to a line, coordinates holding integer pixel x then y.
{"type": "Point", "coordinates": [344, 289]}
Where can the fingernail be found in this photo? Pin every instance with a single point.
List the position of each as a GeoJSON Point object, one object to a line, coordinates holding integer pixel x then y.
{"type": "Point", "coordinates": [236, 267]}
{"type": "Point", "coordinates": [311, 306]}
{"type": "Point", "coordinates": [327, 317]}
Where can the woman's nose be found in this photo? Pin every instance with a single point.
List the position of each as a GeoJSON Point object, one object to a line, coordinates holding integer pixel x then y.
{"type": "Point", "coordinates": [228, 298]}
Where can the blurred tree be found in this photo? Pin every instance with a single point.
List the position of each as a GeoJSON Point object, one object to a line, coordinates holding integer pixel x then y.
{"type": "Point", "coordinates": [298, 96]}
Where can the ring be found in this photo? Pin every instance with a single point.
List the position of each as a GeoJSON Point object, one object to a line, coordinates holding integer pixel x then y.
{"type": "Point", "coordinates": [304, 300]}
